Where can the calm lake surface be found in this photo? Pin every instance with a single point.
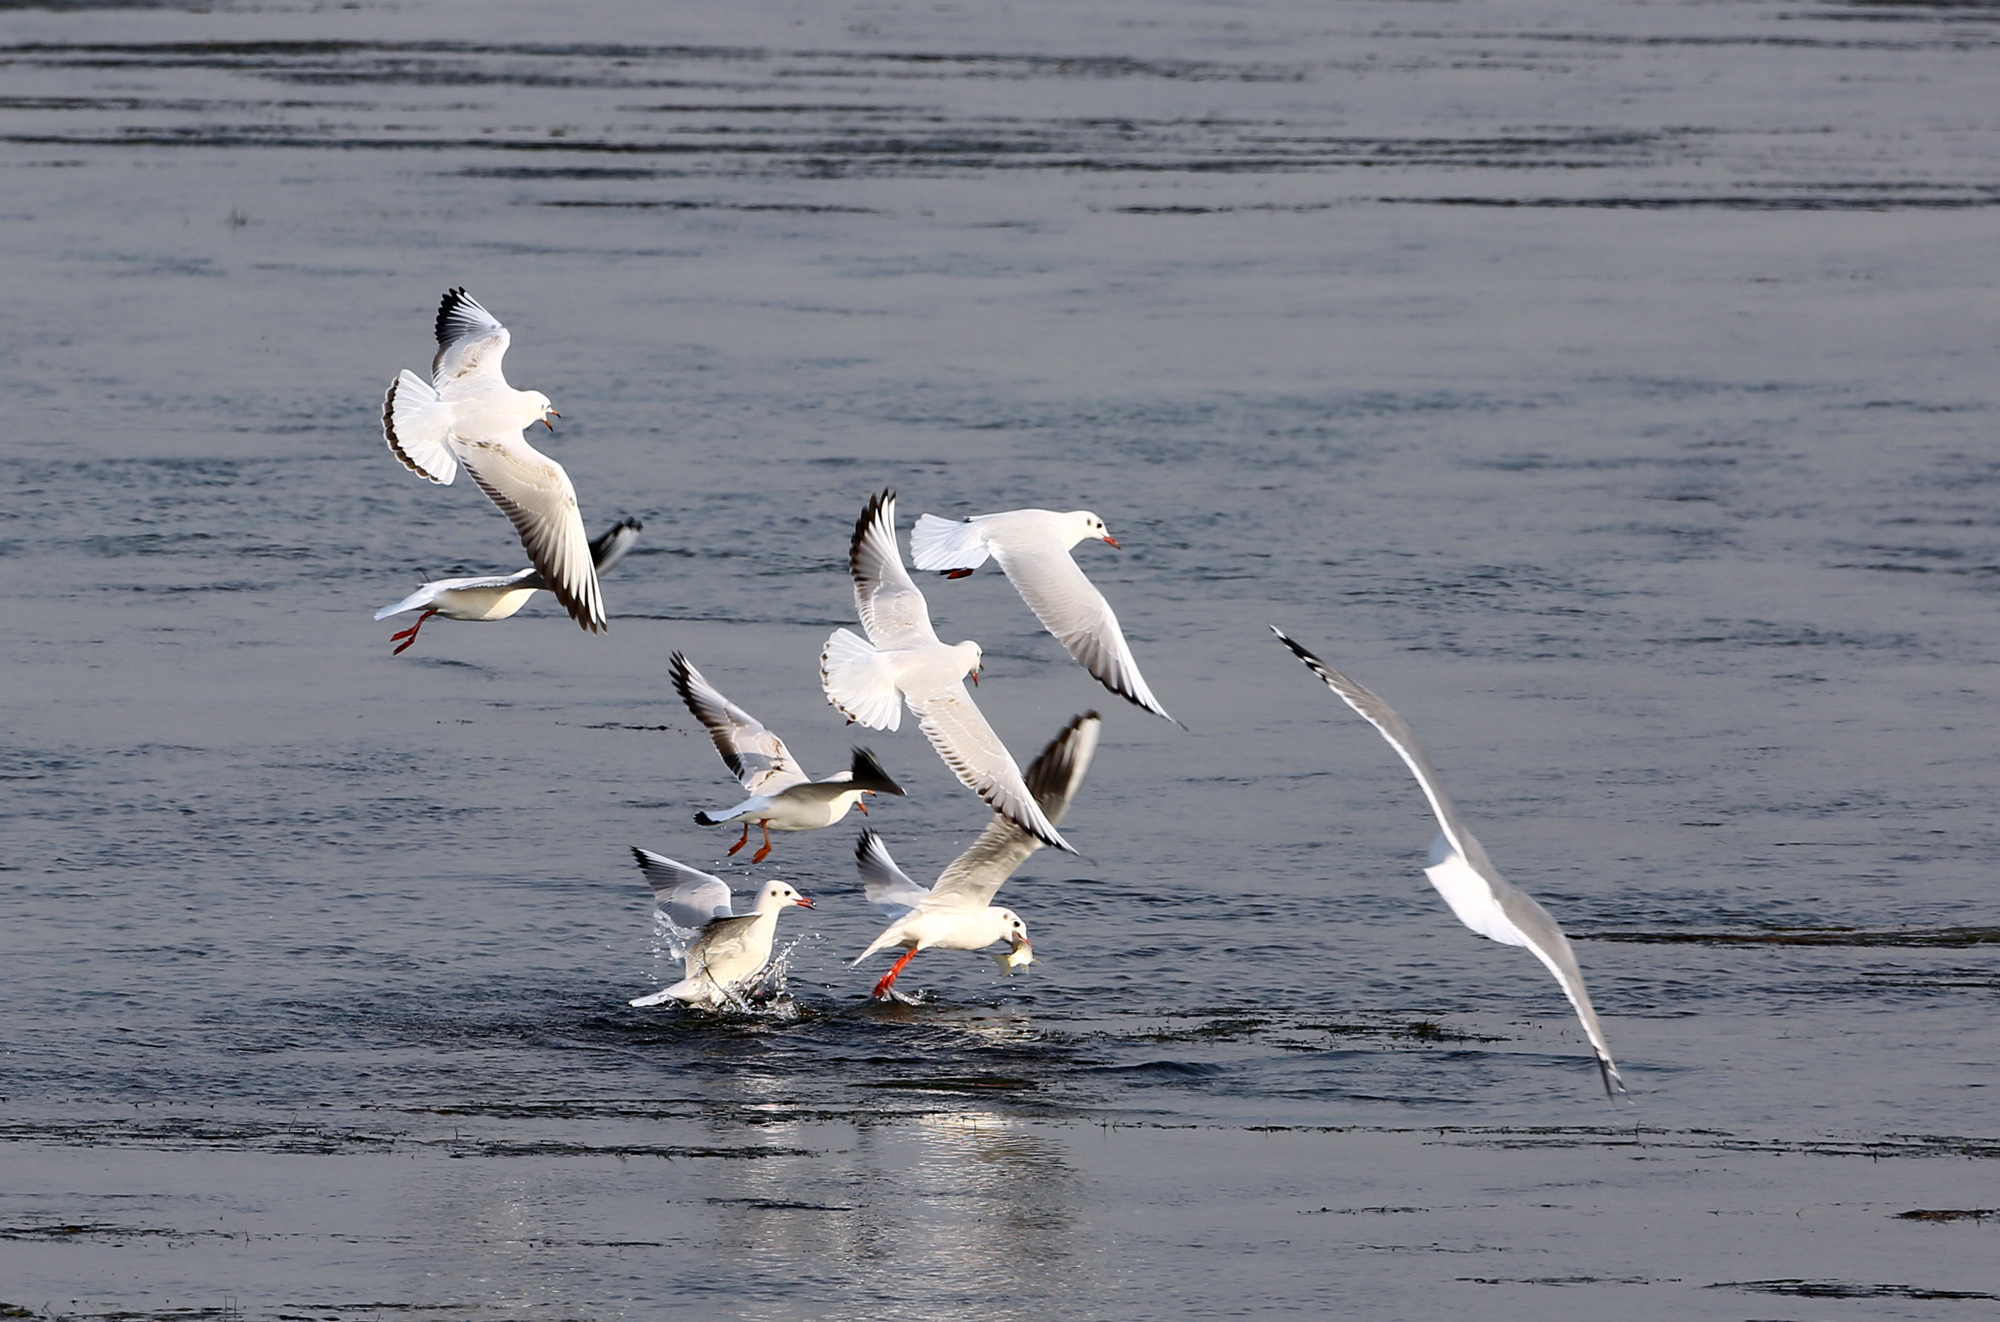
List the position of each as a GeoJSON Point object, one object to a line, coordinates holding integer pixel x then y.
{"type": "Point", "coordinates": [1611, 386]}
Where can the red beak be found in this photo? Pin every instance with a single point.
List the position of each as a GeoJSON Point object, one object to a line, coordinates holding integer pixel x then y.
{"type": "Point", "coordinates": [859, 804]}
{"type": "Point", "coordinates": [974, 677]}
{"type": "Point", "coordinates": [550, 425]}
{"type": "Point", "coordinates": [805, 903]}
{"type": "Point", "coordinates": [1113, 540]}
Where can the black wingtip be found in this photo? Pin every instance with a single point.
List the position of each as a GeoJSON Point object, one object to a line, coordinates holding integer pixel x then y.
{"type": "Point", "coordinates": [864, 842]}
{"type": "Point", "coordinates": [868, 774]}
{"type": "Point", "coordinates": [703, 819]}
{"type": "Point", "coordinates": [447, 307]}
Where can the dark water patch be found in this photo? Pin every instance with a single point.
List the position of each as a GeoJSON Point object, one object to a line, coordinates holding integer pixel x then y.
{"type": "Point", "coordinates": [1986, 197]}
{"type": "Point", "coordinates": [1562, 1280]}
{"type": "Point", "coordinates": [1943, 1216]}
{"type": "Point", "coordinates": [1936, 937]}
{"type": "Point", "coordinates": [1803, 1289]}
{"type": "Point", "coordinates": [797, 208]}
{"type": "Point", "coordinates": [975, 1083]}
{"type": "Point", "coordinates": [777, 1205]}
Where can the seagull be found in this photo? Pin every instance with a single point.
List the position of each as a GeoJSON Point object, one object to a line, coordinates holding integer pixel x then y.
{"type": "Point", "coordinates": [1033, 547]}
{"type": "Point", "coordinates": [498, 596]}
{"type": "Point", "coordinates": [1484, 901]}
{"type": "Point", "coordinates": [902, 656]}
{"type": "Point", "coordinates": [468, 414]}
{"type": "Point", "coordinates": [957, 911]}
{"type": "Point", "coordinates": [783, 797]}
{"type": "Point", "coordinates": [730, 950]}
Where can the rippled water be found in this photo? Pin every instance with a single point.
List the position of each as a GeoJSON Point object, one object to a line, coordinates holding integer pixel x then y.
{"type": "Point", "coordinates": [1609, 386]}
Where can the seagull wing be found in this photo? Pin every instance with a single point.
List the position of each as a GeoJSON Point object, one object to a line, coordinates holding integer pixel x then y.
{"type": "Point", "coordinates": [615, 543]}
{"type": "Point", "coordinates": [970, 748]}
{"type": "Point", "coordinates": [1069, 606]}
{"type": "Point", "coordinates": [471, 341]}
{"type": "Point", "coordinates": [975, 877]}
{"type": "Point", "coordinates": [535, 494]}
{"type": "Point", "coordinates": [753, 754]}
{"type": "Point", "coordinates": [893, 612]}
{"type": "Point", "coordinates": [721, 941]}
{"type": "Point", "coordinates": [889, 887]}
{"type": "Point", "coordinates": [690, 897]}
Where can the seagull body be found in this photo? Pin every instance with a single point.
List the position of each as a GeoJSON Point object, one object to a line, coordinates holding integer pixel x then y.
{"type": "Point", "coordinates": [729, 950]}
{"type": "Point", "coordinates": [498, 596]}
{"type": "Point", "coordinates": [1033, 548]}
{"type": "Point", "coordinates": [957, 911]}
{"type": "Point", "coordinates": [783, 797]}
{"type": "Point", "coordinates": [467, 414]}
{"type": "Point", "coordinates": [903, 661]}
{"type": "Point", "coordinates": [1458, 867]}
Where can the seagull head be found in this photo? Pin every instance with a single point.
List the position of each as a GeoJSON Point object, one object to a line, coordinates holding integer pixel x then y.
{"type": "Point", "coordinates": [970, 654]}
{"type": "Point", "coordinates": [543, 408]}
{"type": "Point", "coordinates": [1015, 933]}
{"type": "Point", "coordinates": [777, 894]}
{"type": "Point", "coordinates": [1085, 524]}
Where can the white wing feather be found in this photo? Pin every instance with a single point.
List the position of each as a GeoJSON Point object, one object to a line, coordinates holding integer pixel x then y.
{"type": "Point", "coordinates": [535, 494]}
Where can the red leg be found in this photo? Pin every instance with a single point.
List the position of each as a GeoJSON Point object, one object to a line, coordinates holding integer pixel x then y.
{"type": "Point", "coordinates": [881, 992]}
{"type": "Point", "coordinates": [409, 635]}
{"type": "Point", "coordinates": [765, 852]}
{"type": "Point", "coordinates": [744, 841]}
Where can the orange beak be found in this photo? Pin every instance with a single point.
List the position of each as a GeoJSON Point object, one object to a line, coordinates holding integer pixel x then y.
{"type": "Point", "coordinates": [862, 805]}
{"type": "Point", "coordinates": [550, 425]}
{"type": "Point", "coordinates": [805, 902]}
{"type": "Point", "coordinates": [974, 677]}
{"type": "Point", "coordinates": [1113, 540]}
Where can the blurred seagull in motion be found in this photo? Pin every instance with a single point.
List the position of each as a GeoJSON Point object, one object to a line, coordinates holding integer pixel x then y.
{"type": "Point", "coordinates": [783, 798]}
{"type": "Point", "coordinates": [902, 660]}
{"type": "Point", "coordinates": [1483, 900]}
{"type": "Point", "coordinates": [957, 911]}
{"type": "Point", "coordinates": [728, 950]}
{"type": "Point", "coordinates": [468, 414]}
{"type": "Point", "coordinates": [497, 596]}
{"type": "Point", "coordinates": [1033, 548]}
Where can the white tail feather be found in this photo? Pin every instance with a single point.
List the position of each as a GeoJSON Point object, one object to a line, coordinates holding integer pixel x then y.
{"type": "Point", "coordinates": [415, 423]}
{"type": "Point", "coordinates": [858, 682]}
{"type": "Point", "coordinates": [947, 544]}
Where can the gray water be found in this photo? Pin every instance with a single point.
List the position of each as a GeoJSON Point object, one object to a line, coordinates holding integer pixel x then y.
{"type": "Point", "coordinates": [1610, 386]}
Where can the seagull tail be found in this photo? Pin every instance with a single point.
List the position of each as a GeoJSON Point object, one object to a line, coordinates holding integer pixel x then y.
{"type": "Point", "coordinates": [943, 544]}
{"type": "Point", "coordinates": [858, 682]}
{"type": "Point", "coordinates": [416, 423]}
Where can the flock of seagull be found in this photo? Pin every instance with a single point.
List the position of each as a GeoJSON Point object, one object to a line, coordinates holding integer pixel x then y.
{"type": "Point", "coordinates": [467, 416]}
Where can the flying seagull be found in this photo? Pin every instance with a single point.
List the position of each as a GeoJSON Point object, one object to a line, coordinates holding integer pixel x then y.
{"type": "Point", "coordinates": [902, 660]}
{"type": "Point", "coordinates": [783, 797]}
{"type": "Point", "coordinates": [1033, 547]}
{"type": "Point", "coordinates": [468, 414]}
{"type": "Point", "coordinates": [957, 911]}
{"type": "Point", "coordinates": [497, 596]}
{"type": "Point", "coordinates": [1484, 901]}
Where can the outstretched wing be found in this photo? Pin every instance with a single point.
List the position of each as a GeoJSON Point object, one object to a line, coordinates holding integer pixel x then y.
{"type": "Point", "coordinates": [615, 543]}
{"type": "Point", "coordinates": [535, 494]}
{"type": "Point", "coordinates": [982, 763]}
{"type": "Point", "coordinates": [975, 877]}
{"type": "Point", "coordinates": [690, 897]}
{"type": "Point", "coordinates": [471, 341]}
{"type": "Point", "coordinates": [430, 591]}
{"type": "Point", "coordinates": [891, 609]}
{"type": "Point", "coordinates": [753, 754]}
{"type": "Point", "coordinates": [1069, 606]}
{"type": "Point", "coordinates": [889, 887]}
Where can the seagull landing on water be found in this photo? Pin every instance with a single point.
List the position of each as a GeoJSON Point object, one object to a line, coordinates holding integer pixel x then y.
{"type": "Point", "coordinates": [497, 596]}
{"type": "Point", "coordinates": [730, 950]}
{"type": "Point", "coordinates": [1484, 901]}
{"type": "Point", "coordinates": [783, 797]}
{"type": "Point", "coordinates": [902, 660]}
{"type": "Point", "coordinates": [957, 911]}
{"type": "Point", "coordinates": [468, 414]}
{"type": "Point", "coordinates": [1033, 548]}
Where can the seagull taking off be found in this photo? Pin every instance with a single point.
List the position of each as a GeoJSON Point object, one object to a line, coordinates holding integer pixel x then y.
{"type": "Point", "coordinates": [1484, 901]}
{"type": "Point", "coordinates": [729, 951]}
{"type": "Point", "coordinates": [468, 414]}
{"type": "Point", "coordinates": [902, 660]}
{"type": "Point", "coordinates": [957, 911]}
{"type": "Point", "coordinates": [1033, 547]}
{"type": "Point", "coordinates": [783, 798]}
{"type": "Point", "coordinates": [497, 596]}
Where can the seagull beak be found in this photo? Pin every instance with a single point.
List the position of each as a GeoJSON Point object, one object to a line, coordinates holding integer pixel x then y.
{"type": "Point", "coordinates": [1112, 540]}
{"type": "Point", "coordinates": [550, 425]}
{"type": "Point", "coordinates": [862, 804]}
{"type": "Point", "coordinates": [805, 902]}
{"type": "Point", "coordinates": [974, 677]}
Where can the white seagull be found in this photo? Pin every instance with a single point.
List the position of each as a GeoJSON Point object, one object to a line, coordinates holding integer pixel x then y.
{"type": "Point", "coordinates": [906, 660]}
{"type": "Point", "coordinates": [1484, 901]}
{"type": "Point", "coordinates": [783, 797]}
{"type": "Point", "coordinates": [468, 414]}
{"type": "Point", "coordinates": [1033, 548]}
{"type": "Point", "coordinates": [957, 911]}
{"type": "Point", "coordinates": [497, 596]}
{"type": "Point", "coordinates": [729, 950]}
